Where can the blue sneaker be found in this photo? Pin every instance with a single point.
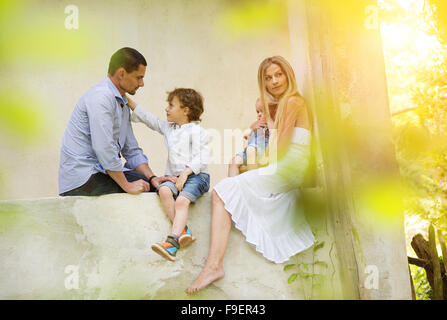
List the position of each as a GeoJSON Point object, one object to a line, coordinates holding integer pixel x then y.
{"type": "Point", "coordinates": [167, 249]}
{"type": "Point", "coordinates": [186, 238]}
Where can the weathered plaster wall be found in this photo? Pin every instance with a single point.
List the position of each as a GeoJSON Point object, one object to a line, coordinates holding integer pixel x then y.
{"type": "Point", "coordinates": [108, 239]}
{"type": "Point", "coordinates": [184, 47]}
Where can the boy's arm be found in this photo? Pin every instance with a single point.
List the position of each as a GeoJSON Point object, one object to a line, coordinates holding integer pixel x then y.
{"type": "Point", "coordinates": [139, 114]}
{"type": "Point", "coordinates": [149, 119]}
{"type": "Point", "coordinates": [200, 151]}
{"type": "Point", "coordinates": [182, 178]}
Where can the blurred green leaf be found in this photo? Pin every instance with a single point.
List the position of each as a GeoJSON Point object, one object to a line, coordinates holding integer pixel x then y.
{"type": "Point", "coordinates": [254, 18]}
{"type": "Point", "coordinates": [318, 245]}
{"type": "Point", "coordinates": [292, 278]}
{"type": "Point", "coordinates": [287, 267]}
{"type": "Point", "coordinates": [20, 118]}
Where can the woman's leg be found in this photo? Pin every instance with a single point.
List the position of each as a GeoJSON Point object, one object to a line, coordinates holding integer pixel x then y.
{"type": "Point", "coordinates": [167, 202]}
{"type": "Point", "coordinates": [181, 215]}
{"type": "Point", "coordinates": [233, 167]}
{"type": "Point", "coordinates": [220, 232]}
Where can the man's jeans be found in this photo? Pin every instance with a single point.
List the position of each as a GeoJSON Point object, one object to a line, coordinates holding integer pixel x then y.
{"type": "Point", "coordinates": [100, 183]}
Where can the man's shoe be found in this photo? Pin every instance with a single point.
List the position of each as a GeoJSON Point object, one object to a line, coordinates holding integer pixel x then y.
{"type": "Point", "coordinates": [186, 238]}
{"type": "Point", "coordinates": [167, 249]}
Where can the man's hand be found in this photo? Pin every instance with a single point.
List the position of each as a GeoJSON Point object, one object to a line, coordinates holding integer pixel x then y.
{"type": "Point", "coordinates": [181, 181]}
{"type": "Point", "coordinates": [158, 180]}
{"type": "Point", "coordinates": [137, 187]}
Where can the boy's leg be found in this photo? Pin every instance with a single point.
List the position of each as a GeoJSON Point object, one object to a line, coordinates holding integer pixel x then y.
{"type": "Point", "coordinates": [168, 249]}
{"type": "Point", "coordinates": [181, 215]}
{"type": "Point", "coordinates": [167, 201]}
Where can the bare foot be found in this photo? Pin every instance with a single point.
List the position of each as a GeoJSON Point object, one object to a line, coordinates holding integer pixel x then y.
{"type": "Point", "coordinates": [206, 277]}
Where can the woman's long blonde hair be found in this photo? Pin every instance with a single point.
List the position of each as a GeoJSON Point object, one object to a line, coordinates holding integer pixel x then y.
{"type": "Point", "coordinates": [265, 96]}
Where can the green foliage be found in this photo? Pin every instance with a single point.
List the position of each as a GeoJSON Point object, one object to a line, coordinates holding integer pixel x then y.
{"type": "Point", "coordinates": [31, 43]}
{"type": "Point", "coordinates": [416, 65]}
{"type": "Point", "coordinates": [292, 278]}
{"type": "Point", "coordinates": [422, 288]}
{"type": "Point", "coordinates": [305, 273]}
{"type": "Point", "coordinates": [416, 62]}
{"type": "Point", "coordinates": [260, 18]}
{"type": "Point", "coordinates": [318, 245]}
{"type": "Point", "coordinates": [287, 267]}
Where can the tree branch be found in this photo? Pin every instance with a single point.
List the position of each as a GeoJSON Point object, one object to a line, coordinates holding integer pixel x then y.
{"type": "Point", "coordinates": [418, 262]}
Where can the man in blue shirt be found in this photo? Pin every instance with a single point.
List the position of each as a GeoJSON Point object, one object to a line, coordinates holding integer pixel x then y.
{"type": "Point", "coordinates": [99, 133]}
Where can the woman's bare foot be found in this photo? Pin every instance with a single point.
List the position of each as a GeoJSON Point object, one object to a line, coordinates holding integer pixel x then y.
{"type": "Point", "coordinates": [206, 277]}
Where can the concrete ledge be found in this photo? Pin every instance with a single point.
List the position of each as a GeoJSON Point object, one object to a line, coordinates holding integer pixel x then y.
{"type": "Point", "coordinates": [99, 248]}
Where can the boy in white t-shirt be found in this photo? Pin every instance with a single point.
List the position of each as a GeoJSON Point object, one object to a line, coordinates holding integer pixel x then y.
{"type": "Point", "coordinates": [188, 157]}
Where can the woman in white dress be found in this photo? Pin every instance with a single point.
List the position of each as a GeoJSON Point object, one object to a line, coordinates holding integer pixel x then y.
{"type": "Point", "coordinates": [264, 203]}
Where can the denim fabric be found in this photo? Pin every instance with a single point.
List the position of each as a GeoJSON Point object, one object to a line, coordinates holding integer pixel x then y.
{"type": "Point", "coordinates": [195, 186]}
{"type": "Point", "coordinates": [100, 183]}
{"type": "Point", "coordinates": [259, 139]}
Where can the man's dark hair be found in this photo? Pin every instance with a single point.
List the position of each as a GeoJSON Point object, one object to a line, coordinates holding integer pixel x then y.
{"type": "Point", "coordinates": [128, 58]}
{"type": "Point", "coordinates": [189, 98]}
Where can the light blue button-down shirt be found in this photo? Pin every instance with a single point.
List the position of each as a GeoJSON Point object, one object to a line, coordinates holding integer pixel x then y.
{"type": "Point", "coordinates": [98, 133]}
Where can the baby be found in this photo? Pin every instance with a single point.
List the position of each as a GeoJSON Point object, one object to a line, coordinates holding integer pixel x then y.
{"type": "Point", "coordinates": [255, 151]}
{"type": "Point", "coordinates": [188, 155]}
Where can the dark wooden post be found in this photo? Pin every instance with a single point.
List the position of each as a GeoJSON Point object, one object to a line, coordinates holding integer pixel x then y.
{"type": "Point", "coordinates": [437, 279]}
{"type": "Point", "coordinates": [340, 70]}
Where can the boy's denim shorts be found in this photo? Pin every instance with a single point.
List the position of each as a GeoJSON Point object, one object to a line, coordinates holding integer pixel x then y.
{"type": "Point", "coordinates": [195, 186]}
{"type": "Point", "coordinates": [259, 141]}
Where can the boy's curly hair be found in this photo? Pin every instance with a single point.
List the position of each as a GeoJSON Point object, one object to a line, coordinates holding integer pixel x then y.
{"type": "Point", "coordinates": [188, 98]}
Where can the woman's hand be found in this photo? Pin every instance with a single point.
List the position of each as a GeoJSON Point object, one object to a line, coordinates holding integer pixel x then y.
{"type": "Point", "coordinates": [258, 125]}
{"type": "Point", "coordinates": [247, 133]}
{"type": "Point", "coordinates": [132, 104]}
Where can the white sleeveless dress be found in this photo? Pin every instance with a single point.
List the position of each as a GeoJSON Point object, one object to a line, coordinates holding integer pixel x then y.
{"type": "Point", "coordinates": [265, 203]}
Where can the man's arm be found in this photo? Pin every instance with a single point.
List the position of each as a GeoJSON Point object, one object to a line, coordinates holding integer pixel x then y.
{"type": "Point", "coordinates": [100, 110]}
{"type": "Point", "coordinates": [135, 187]}
{"type": "Point", "coordinates": [145, 170]}
{"type": "Point", "coordinates": [137, 161]}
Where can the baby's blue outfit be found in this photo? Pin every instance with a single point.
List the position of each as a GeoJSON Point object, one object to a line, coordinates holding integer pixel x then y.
{"type": "Point", "coordinates": [258, 139]}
